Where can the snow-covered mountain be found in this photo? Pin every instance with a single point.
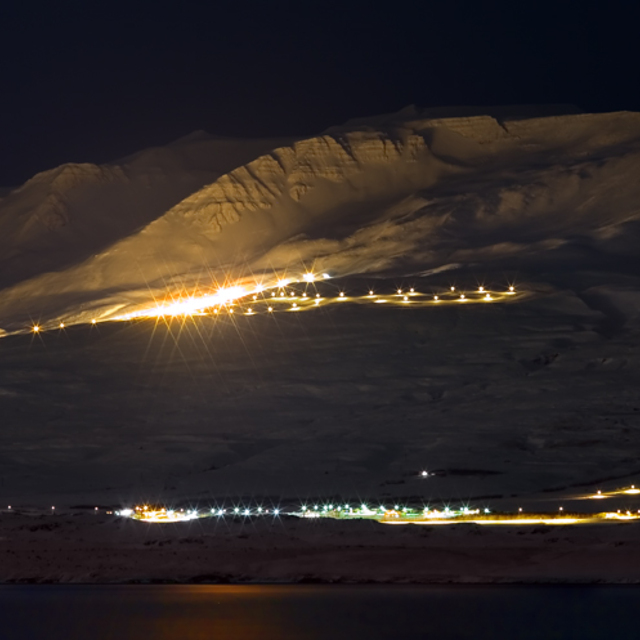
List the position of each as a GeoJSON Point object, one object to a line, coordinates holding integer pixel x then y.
{"type": "Point", "coordinates": [408, 191]}
{"type": "Point", "coordinates": [509, 401]}
{"type": "Point", "coordinates": [65, 215]}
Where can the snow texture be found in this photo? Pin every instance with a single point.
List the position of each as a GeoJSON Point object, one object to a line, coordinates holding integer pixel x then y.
{"type": "Point", "coordinates": [418, 193]}
{"type": "Point", "coordinates": [512, 404]}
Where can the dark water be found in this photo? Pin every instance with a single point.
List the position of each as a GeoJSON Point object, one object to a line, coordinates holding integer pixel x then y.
{"type": "Point", "coordinates": [301, 612]}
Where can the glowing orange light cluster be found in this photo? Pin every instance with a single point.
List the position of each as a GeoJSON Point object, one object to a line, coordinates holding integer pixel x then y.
{"type": "Point", "coordinates": [225, 298]}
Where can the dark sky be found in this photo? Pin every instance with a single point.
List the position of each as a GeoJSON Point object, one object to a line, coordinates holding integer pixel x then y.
{"type": "Point", "coordinates": [93, 81]}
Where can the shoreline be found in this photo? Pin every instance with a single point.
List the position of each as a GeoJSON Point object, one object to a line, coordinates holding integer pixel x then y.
{"type": "Point", "coordinates": [97, 549]}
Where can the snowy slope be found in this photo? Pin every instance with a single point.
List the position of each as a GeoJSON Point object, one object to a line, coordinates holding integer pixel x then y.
{"type": "Point", "coordinates": [525, 399]}
{"type": "Point", "coordinates": [417, 193]}
{"type": "Point", "coordinates": [67, 214]}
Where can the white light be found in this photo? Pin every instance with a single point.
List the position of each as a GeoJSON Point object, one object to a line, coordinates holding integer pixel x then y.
{"type": "Point", "coordinates": [424, 474]}
{"type": "Point", "coordinates": [294, 305]}
{"type": "Point", "coordinates": [412, 290]}
{"type": "Point", "coordinates": [326, 276]}
{"type": "Point", "coordinates": [342, 294]}
{"type": "Point", "coordinates": [370, 292]}
{"type": "Point", "coordinates": [255, 297]}
{"type": "Point", "coordinates": [270, 309]}
{"type": "Point", "coordinates": [276, 512]}
{"type": "Point", "coordinates": [436, 298]}
{"type": "Point", "coordinates": [283, 283]}
{"type": "Point", "coordinates": [259, 288]}
{"type": "Point", "coordinates": [317, 295]}
{"type": "Point", "coordinates": [462, 296]}
{"type": "Point", "coordinates": [399, 292]}
{"type": "Point", "coordinates": [453, 288]}
{"type": "Point", "coordinates": [36, 329]}
{"type": "Point", "coordinates": [273, 294]}
{"type": "Point", "coordinates": [405, 298]}
{"type": "Point", "coordinates": [309, 277]}
{"type": "Point", "coordinates": [93, 321]}
{"type": "Point", "coordinates": [62, 325]}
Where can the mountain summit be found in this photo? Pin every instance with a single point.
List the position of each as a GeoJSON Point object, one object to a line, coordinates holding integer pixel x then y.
{"type": "Point", "coordinates": [407, 191]}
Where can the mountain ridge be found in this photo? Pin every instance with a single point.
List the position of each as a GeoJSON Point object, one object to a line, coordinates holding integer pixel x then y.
{"type": "Point", "coordinates": [422, 193]}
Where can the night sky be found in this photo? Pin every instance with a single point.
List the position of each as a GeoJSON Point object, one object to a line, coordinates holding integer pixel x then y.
{"type": "Point", "coordinates": [95, 81]}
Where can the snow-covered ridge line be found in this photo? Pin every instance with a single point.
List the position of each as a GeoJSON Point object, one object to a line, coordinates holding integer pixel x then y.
{"type": "Point", "coordinates": [62, 216]}
{"type": "Point", "coordinates": [291, 172]}
{"type": "Point", "coordinates": [418, 192]}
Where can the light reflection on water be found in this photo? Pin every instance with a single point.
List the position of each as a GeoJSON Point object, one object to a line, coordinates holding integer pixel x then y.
{"type": "Point", "coordinates": [314, 612]}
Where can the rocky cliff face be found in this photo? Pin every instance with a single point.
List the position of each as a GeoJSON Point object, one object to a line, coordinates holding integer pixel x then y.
{"type": "Point", "coordinates": [292, 173]}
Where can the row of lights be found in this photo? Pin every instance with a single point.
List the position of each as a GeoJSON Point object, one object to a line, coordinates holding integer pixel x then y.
{"type": "Point", "coordinates": [245, 512]}
{"type": "Point", "coordinates": [632, 490]}
{"type": "Point", "coordinates": [10, 508]}
{"type": "Point", "coordinates": [228, 295]}
{"type": "Point", "coordinates": [341, 296]}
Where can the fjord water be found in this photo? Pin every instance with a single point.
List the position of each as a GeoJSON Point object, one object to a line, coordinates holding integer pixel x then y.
{"type": "Point", "coordinates": [250, 612]}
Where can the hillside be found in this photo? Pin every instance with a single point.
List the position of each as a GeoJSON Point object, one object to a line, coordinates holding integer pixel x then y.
{"type": "Point", "coordinates": [417, 194]}
{"type": "Point", "coordinates": [521, 401]}
{"type": "Point", "coordinates": [65, 215]}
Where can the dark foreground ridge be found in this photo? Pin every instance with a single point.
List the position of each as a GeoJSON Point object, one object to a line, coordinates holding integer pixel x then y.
{"type": "Point", "coordinates": [87, 548]}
